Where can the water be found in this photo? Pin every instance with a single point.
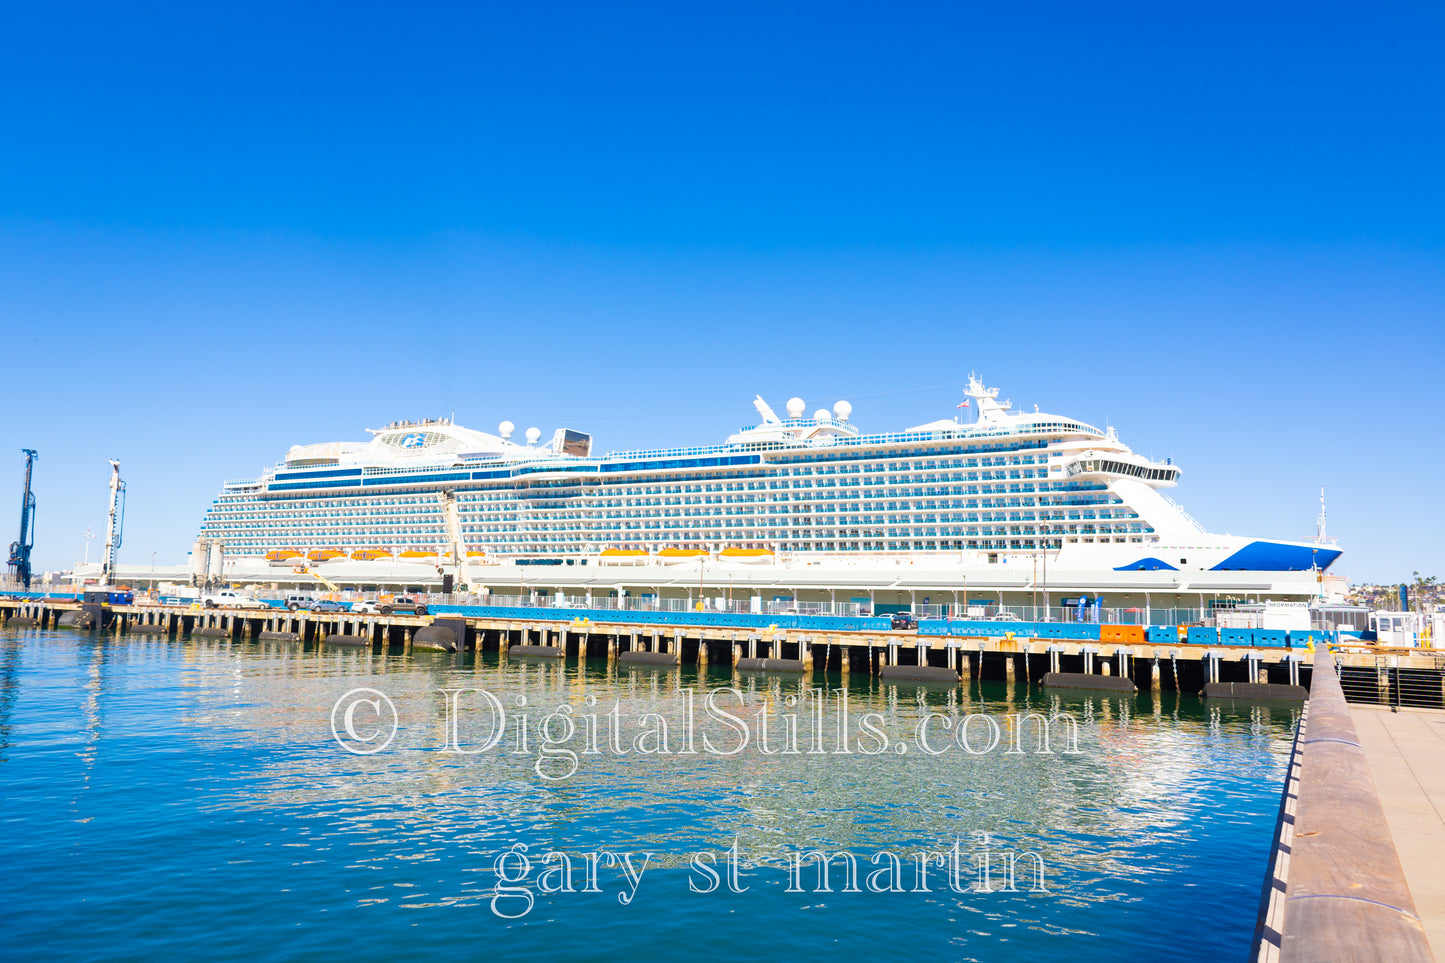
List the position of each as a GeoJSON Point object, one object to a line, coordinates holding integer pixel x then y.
{"type": "Point", "coordinates": [190, 798]}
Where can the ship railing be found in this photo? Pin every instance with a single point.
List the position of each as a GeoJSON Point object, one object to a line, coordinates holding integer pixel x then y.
{"type": "Point", "coordinates": [1185, 515]}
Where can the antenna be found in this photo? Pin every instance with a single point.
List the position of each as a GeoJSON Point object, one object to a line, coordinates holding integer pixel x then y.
{"type": "Point", "coordinates": [1320, 521]}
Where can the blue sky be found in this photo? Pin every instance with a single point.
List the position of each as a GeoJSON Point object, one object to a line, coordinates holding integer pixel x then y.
{"type": "Point", "coordinates": [1219, 229]}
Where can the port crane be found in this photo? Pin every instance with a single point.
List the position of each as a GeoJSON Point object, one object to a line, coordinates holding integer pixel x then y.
{"type": "Point", "coordinates": [20, 550]}
{"type": "Point", "coordinates": [115, 524]}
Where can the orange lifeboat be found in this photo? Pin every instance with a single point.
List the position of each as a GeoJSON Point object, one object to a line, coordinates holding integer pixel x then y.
{"type": "Point", "coordinates": [325, 554]}
{"type": "Point", "coordinates": [282, 555]}
{"type": "Point", "coordinates": [417, 553]}
{"type": "Point", "coordinates": [370, 554]}
{"type": "Point", "coordinates": [746, 553]}
{"type": "Point", "coordinates": [623, 552]}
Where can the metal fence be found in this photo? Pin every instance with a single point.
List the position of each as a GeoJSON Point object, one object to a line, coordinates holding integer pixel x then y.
{"type": "Point", "coordinates": [1414, 680]}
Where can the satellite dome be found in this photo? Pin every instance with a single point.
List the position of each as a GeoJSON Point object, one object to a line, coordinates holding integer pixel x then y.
{"type": "Point", "coordinates": [796, 407]}
{"type": "Point", "coordinates": [505, 429]}
{"type": "Point", "coordinates": [533, 434]}
{"type": "Point", "coordinates": [842, 409]}
{"type": "Point", "coordinates": [821, 416]}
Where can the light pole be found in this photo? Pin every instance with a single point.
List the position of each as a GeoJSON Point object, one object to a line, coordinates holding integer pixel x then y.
{"type": "Point", "coordinates": [153, 572]}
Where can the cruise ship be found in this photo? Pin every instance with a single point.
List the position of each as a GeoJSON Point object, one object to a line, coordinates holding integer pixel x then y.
{"type": "Point", "coordinates": [1004, 504]}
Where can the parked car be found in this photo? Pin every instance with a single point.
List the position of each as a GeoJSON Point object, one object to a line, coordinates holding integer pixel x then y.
{"type": "Point", "coordinates": [327, 605]}
{"type": "Point", "coordinates": [399, 604]}
{"type": "Point", "coordinates": [299, 601]}
{"type": "Point", "coordinates": [1006, 617]}
{"type": "Point", "coordinates": [904, 620]}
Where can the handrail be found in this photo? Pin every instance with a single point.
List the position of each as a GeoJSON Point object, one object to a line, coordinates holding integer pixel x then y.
{"type": "Point", "coordinates": [1346, 894]}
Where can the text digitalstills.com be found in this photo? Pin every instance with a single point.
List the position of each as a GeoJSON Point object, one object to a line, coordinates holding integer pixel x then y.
{"type": "Point", "coordinates": [722, 722]}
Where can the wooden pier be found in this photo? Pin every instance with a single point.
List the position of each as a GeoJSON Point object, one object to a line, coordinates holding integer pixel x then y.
{"type": "Point", "coordinates": [1179, 667]}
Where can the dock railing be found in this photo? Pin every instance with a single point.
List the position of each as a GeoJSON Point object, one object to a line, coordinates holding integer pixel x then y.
{"type": "Point", "coordinates": [1344, 895]}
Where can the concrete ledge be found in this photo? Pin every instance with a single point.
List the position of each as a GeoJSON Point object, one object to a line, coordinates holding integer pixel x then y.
{"type": "Point", "coordinates": [1084, 680]}
{"type": "Point", "coordinates": [535, 651]}
{"type": "Point", "coordinates": [1264, 691]}
{"type": "Point", "coordinates": [648, 658]}
{"type": "Point", "coordinates": [770, 665]}
{"type": "Point", "coordinates": [343, 639]}
{"type": "Point", "coordinates": [1345, 889]}
{"type": "Point", "coordinates": [923, 673]}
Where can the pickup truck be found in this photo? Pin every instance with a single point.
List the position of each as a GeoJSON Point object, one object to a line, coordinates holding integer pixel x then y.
{"type": "Point", "coordinates": [398, 604]}
{"type": "Point", "coordinates": [227, 599]}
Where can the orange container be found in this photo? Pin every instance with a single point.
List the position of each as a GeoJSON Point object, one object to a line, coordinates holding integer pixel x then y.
{"type": "Point", "coordinates": [1128, 634]}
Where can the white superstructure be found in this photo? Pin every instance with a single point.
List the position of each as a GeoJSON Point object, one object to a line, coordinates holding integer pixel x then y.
{"type": "Point", "coordinates": [801, 501]}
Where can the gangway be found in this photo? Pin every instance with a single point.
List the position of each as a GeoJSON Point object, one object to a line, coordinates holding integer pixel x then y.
{"type": "Point", "coordinates": [454, 532]}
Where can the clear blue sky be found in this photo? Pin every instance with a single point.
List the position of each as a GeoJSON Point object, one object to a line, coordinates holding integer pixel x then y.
{"type": "Point", "coordinates": [1219, 228]}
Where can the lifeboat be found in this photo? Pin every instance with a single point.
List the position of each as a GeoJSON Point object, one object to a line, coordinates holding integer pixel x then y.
{"type": "Point", "coordinates": [370, 554]}
{"type": "Point", "coordinates": [282, 555]}
{"type": "Point", "coordinates": [747, 554]}
{"type": "Point", "coordinates": [623, 552]}
{"type": "Point", "coordinates": [476, 555]}
{"type": "Point", "coordinates": [325, 554]}
{"type": "Point", "coordinates": [681, 554]}
{"type": "Point", "coordinates": [417, 553]}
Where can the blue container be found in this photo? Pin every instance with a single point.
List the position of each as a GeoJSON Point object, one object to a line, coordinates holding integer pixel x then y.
{"type": "Point", "coordinates": [1161, 634]}
{"type": "Point", "coordinates": [1237, 636]}
{"type": "Point", "coordinates": [1203, 635]}
{"type": "Point", "coordinates": [1274, 638]}
{"type": "Point", "coordinates": [1302, 638]}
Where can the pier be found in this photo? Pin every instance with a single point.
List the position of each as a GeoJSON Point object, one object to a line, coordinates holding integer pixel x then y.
{"type": "Point", "coordinates": [788, 644]}
{"type": "Point", "coordinates": [1336, 887]}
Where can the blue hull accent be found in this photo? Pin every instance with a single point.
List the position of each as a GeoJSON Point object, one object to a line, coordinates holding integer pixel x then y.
{"type": "Point", "coordinates": [1150, 564]}
{"type": "Point", "coordinates": [1277, 557]}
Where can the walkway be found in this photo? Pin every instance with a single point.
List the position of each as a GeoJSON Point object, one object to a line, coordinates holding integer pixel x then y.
{"type": "Point", "coordinates": [1406, 750]}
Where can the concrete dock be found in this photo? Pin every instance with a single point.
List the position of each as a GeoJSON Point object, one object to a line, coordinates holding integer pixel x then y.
{"type": "Point", "coordinates": [1406, 751]}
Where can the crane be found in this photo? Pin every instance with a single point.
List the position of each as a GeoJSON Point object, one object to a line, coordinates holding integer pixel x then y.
{"type": "Point", "coordinates": [321, 578]}
{"type": "Point", "coordinates": [20, 550]}
{"type": "Point", "coordinates": [114, 525]}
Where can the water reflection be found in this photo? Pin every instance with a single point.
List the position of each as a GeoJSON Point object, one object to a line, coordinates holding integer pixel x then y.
{"type": "Point", "coordinates": [239, 735]}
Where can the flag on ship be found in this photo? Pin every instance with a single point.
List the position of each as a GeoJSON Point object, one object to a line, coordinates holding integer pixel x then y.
{"type": "Point", "coordinates": [962, 404]}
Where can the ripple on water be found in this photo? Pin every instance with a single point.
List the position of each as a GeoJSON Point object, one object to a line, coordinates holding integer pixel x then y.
{"type": "Point", "coordinates": [188, 798]}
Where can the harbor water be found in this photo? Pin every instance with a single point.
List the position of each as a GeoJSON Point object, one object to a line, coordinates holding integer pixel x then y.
{"type": "Point", "coordinates": [217, 800]}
